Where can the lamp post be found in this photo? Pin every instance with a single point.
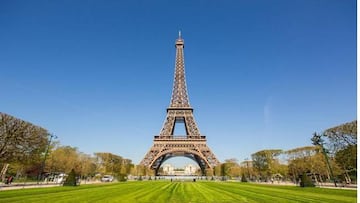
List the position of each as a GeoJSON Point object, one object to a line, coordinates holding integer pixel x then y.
{"type": "Point", "coordinates": [317, 140]}
{"type": "Point", "coordinates": [45, 155]}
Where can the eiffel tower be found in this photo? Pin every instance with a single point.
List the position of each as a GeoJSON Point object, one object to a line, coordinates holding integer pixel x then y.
{"type": "Point", "coordinates": [166, 144]}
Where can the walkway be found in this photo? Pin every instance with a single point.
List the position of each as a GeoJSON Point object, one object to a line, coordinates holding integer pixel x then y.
{"type": "Point", "coordinates": [16, 186]}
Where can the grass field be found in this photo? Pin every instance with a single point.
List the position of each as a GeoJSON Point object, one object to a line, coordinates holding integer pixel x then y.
{"type": "Point", "coordinates": [179, 192]}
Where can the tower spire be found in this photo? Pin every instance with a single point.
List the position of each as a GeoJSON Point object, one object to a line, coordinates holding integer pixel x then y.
{"type": "Point", "coordinates": [179, 98]}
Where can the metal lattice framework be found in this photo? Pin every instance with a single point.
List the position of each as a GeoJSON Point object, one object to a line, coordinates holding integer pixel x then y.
{"type": "Point", "coordinates": [166, 145]}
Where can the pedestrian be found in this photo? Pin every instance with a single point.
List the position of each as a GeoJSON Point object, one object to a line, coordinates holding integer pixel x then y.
{"type": "Point", "coordinates": [10, 179]}
{"type": "Point", "coordinates": [6, 181]}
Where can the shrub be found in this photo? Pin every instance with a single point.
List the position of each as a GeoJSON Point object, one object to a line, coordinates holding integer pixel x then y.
{"type": "Point", "coordinates": [305, 181]}
{"type": "Point", "coordinates": [122, 177]}
{"type": "Point", "coordinates": [243, 179]}
{"type": "Point", "coordinates": [71, 179]}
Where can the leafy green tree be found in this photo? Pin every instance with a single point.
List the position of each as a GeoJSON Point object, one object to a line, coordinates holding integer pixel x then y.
{"type": "Point", "coordinates": [217, 170]}
{"type": "Point", "coordinates": [318, 141]}
{"type": "Point", "coordinates": [347, 160]}
{"type": "Point", "coordinates": [266, 162]}
{"type": "Point", "coordinates": [87, 165]}
{"type": "Point", "coordinates": [342, 141]}
{"type": "Point", "coordinates": [340, 144]}
{"type": "Point", "coordinates": [247, 169]}
{"type": "Point", "coordinates": [71, 179]}
{"type": "Point", "coordinates": [208, 172]}
{"type": "Point", "coordinates": [231, 168]}
{"type": "Point", "coordinates": [306, 181]}
{"type": "Point", "coordinates": [306, 159]}
{"type": "Point", "coordinates": [20, 140]}
{"type": "Point", "coordinates": [347, 157]}
{"type": "Point", "coordinates": [342, 135]}
{"type": "Point", "coordinates": [64, 159]}
{"type": "Point", "coordinates": [22, 145]}
{"type": "Point", "coordinates": [243, 178]}
{"type": "Point", "coordinates": [108, 163]}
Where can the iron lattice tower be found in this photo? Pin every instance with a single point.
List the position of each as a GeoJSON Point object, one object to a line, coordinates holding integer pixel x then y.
{"type": "Point", "coordinates": [193, 144]}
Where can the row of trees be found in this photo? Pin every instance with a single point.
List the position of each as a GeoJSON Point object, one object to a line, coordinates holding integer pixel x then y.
{"type": "Point", "coordinates": [26, 147]}
{"type": "Point", "coordinates": [66, 158]}
{"type": "Point", "coordinates": [334, 153]}
{"type": "Point", "coordinates": [28, 152]}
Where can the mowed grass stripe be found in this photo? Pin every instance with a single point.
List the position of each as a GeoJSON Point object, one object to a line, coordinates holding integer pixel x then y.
{"type": "Point", "coordinates": [254, 193]}
{"type": "Point", "coordinates": [241, 194]}
{"type": "Point", "coordinates": [153, 192]}
{"type": "Point", "coordinates": [199, 193]}
{"type": "Point", "coordinates": [163, 194]}
{"type": "Point", "coordinates": [126, 193]}
{"type": "Point", "coordinates": [223, 193]}
{"type": "Point", "coordinates": [178, 192]}
{"type": "Point", "coordinates": [266, 193]}
{"type": "Point", "coordinates": [34, 194]}
{"type": "Point", "coordinates": [300, 194]}
{"type": "Point", "coordinates": [85, 193]}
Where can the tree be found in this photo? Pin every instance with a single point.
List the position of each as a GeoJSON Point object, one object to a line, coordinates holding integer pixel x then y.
{"type": "Point", "coordinates": [247, 169]}
{"type": "Point", "coordinates": [231, 168]}
{"type": "Point", "coordinates": [217, 170]}
{"type": "Point", "coordinates": [318, 141]}
{"type": "Point", "coordinates": [71, 179]}
{"type": "Point", "coordinates": [339, 145]}
{"type": "Point", "coordinates": [243, 178]}
{"type": "Point", "coordinates": [108, 163]}
{"type": "Point", "coordinates": [306, 159]}
{"type": "Point", "coordinates": [64, 159]}
{"type": "Point", "coordinates": [125, 169]}
{"type": "Point", "coordinates": [266, 162]}
{"type": "Point", "coordinates": [342, 142]}
{"type": "Point", "coordinates": [306, 181]}
{"type": "Point", "coordinates": [141, 170]}
{"type": "Point", "coordinates": [22, 145]}
{"type": "Point", "coordinates": [87, 165]}
{"type": "Point", "coordinates": [343, 135]}
{"type": "Point", "coordinates": [347, 159]}
{"type": "Point", "coordinates": [20, 140]}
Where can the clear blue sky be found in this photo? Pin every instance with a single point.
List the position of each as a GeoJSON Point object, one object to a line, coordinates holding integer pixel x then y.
{"type": "Point", "coordinates": [260, 74]}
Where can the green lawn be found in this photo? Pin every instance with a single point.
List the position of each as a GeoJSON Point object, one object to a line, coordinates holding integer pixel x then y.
{"type": "Point", "coordinates": [162, 191]}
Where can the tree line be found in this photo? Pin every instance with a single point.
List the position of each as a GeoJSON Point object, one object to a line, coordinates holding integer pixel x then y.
{"type": "Point", "coordinates": [334, 155]}
{"type": "Point", "coordinates": [28, 152]}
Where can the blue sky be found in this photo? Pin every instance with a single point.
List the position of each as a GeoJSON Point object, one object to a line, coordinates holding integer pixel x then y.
{"type": "Point", "coordinates": [99, 74]}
